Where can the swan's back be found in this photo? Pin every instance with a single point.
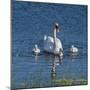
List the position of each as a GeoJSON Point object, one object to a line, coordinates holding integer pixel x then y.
{"type": "Point", "coordinates": [73, 49]}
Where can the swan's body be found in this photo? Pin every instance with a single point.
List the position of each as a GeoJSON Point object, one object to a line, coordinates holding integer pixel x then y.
{"type": "Point", "coordinates": [73, 49]}
{"type": "Point", "coordinates": [53, 44]}
{"type": "Point", "coordinates": [36, 50]}
{"type": "Point", "coordinates": [49, 45]}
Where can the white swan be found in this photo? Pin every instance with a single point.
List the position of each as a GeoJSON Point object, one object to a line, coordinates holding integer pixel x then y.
{"type": "Point", "coordinates": [53, 44]}
{"type": "Point", "coordinates": [36, 50]}
{"type": "Point", "coordinates": [73, 49]}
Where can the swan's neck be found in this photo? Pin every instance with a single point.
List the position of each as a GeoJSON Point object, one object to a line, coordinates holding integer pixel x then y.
{"type": "Point", "coordinates": [54, 34]}
{"type": "Point", "coordinates": [54, 37]}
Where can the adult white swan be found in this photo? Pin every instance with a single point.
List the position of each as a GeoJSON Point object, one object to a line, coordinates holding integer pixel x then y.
{"type": "Point", "coordinates": [53, 44]}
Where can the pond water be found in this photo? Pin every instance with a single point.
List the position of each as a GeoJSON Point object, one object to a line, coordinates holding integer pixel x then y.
{"type": "Point", "coordinates": [30, 22]}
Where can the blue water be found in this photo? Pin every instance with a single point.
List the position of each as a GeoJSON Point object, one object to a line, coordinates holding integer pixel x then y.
{"type": "Point", "coordinates": [30, 22]}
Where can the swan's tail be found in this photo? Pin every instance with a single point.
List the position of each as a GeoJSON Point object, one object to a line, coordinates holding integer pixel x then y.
{"type": "Point", "coordinates": [45, 37]}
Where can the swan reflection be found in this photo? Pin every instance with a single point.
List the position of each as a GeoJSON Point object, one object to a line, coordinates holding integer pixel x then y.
{"type": "Point", "coordinates": [55, 62]}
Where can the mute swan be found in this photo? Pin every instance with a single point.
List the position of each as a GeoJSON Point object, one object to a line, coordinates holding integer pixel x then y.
{"type": "Point", "coordinates": [36, 50]}
{"type": "Point", "coordinates": [73, 49]}
{"type": "Point", "coordinates": [53, 44]}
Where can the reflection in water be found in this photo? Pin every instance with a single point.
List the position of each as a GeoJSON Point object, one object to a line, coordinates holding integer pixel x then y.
{"type": "Point", "coordinates": [36, 58]}
{"type": "Point", "coordinates": [73, 56]}
{"type": "Point", "coordinates": [55, 62]}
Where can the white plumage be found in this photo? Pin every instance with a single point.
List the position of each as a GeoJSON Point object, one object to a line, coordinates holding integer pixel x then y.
{"type": "Point", "coordinates": [53, 44]}
{"type": "Point", "coordinates": [49, 45]}
{"type": "Point", "coordinates": [73, 49]}
{"type": "Point", "coordinates": [36, 50]}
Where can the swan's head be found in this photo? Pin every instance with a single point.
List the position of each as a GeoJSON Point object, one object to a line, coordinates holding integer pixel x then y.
{"type": "Point", "coordinates": [72, 46]}
{"type": "Point", "coordinates": [45, 37]}
{"type": "Point", "coordinates": [36, 46]}
{"type": "Point", "coordinates": [57, 27]}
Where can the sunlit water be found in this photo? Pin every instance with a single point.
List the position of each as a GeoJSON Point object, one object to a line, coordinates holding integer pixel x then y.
{"type": "Point", "coordinates": [30, 22]}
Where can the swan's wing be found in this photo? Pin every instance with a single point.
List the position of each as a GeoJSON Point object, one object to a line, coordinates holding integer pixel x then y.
{"type": "Point", "coordinates": [33, 50]}
{"type": "Point", "coordinates": [59, 44]}
{"type": "Point", "coordinates": [50, 39]}
{"type": "Point", "coordinates": [48, 44]}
